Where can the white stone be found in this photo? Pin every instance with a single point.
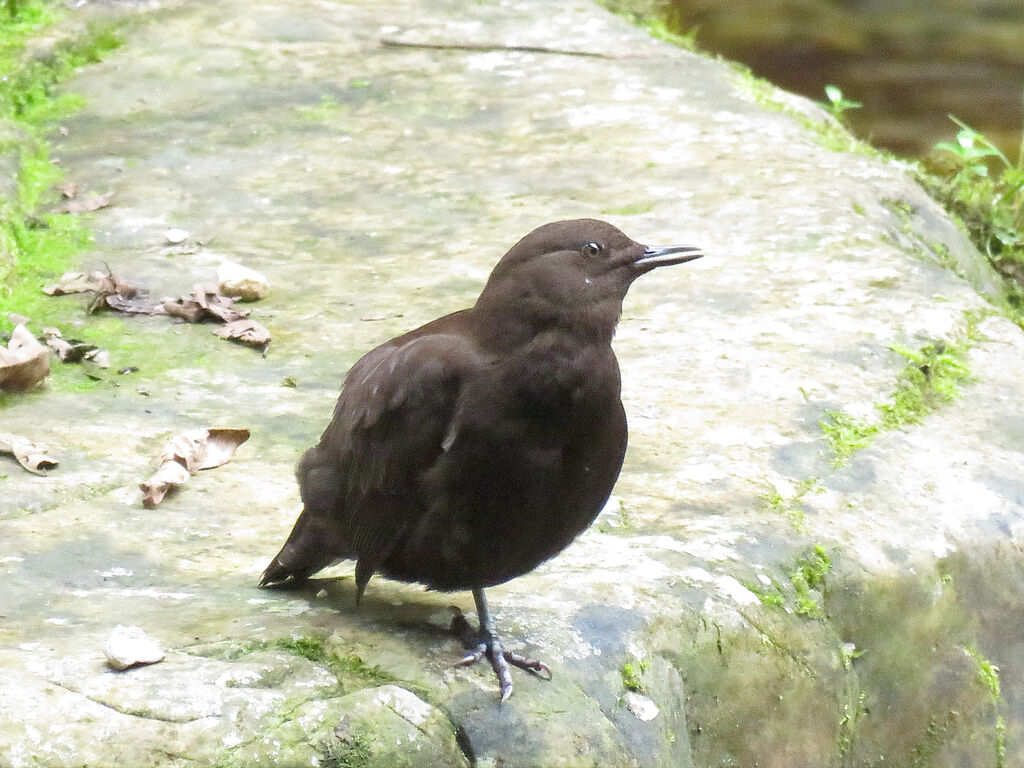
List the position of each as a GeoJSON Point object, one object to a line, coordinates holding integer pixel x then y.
{"type": "Point", "coordinates": [176, 236]}
{"type": "Point", "coordinates": [642, 707]}
{"type": "Point", "coordinates": [131, 647]}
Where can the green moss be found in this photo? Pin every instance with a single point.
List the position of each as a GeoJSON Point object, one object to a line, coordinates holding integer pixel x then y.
{"type": "Point", "coordinates": [933, 376]}
{"type": "Point", "coordinates": [353, 752]}
{"type": "Point", "coordinates": [662, 24]}
{"type": "Point", "coordinates": [325, 110]}
{"type": "Point", "coordinates": [36, 246]}
{"type": "Point", "coordinates": [806, 584]}
{"type": "Point", "coordinates": [808, 578]}
{"type": "Point", "coordinates": [988, 676]}
{"type": "Point", "coordinates": [769, 595]}
{"type": "Point", "coordinates": [792, 508]}
{"type": "Point", "coordinates": [352, 672]}
{"type": "Point", "coordinates": [848, 724]}
{"type": "Point", "coordinates": [846, 434]}
{"type": "Point", "coordinates": [658, 28]}
{"type": "Point", "coordinates": [632, 674]}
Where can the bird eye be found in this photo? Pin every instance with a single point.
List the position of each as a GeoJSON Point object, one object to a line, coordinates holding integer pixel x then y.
{"type": "Point", "coordinates": [590, 250]}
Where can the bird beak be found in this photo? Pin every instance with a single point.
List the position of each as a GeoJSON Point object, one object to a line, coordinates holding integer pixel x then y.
{"type": "Point", "coordinates": [665, 255]}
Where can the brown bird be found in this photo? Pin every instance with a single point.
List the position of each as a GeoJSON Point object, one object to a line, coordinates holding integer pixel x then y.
{"type": "Point", "coordinates": [468, 451]}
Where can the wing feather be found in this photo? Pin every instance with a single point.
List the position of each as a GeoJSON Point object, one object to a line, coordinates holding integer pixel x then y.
{"type": "Point", "coordinates": [362, 481]}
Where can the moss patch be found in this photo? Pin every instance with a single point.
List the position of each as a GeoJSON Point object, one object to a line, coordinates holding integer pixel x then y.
{"type": "Point", "coordinates": [352, 672]}
{"type": "Point", "coordinates": [632, 675]}
{"type": "Point", "coordinates": [808, 579]}
{"type": "Point", "coordinates": [37, 245]}
{"type": "Point", "coordinates": [34, 245]}
{"type": "Point", "coordinates": [806, 585]}
{"type": "Point", "coordinates": [933, 376]}
{"type": "Point", "coordinates": [354, 752]}
{"type": "Point", "coordinates": [792, 507]}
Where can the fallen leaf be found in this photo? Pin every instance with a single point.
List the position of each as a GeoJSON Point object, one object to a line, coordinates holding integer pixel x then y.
{"type": "Point", "coordinates": [377, 318]}
{"type": "Point", "coordinates": [86, 204]}
{"type": "Point", "coordinates": [187, 453]}
{"type": "Point", "coordinates": [67, 351]}
{"type": "Point", "coordinates": [69, 189]}
{"type": "Point", "coordinates": [75, 282]}
{"type": "Point", "coordinates": [32, 456]}
{"type": "Point", "coordinates": [129, 305]}
{"type": "Point", "coordinates": [167, 476]}
{"type": "Point", "coordinates": [24, 363]}
{"type": "Point", "coordinates": [221, 446]}
{"type": "Point", "coordinates": [98, 357]}
{"type": "Point", "coordinates": [120, 296]}
{"type": "Point", "coordinates": [245, 331]}
{"type": "Point", "coordinates": [204, 303]}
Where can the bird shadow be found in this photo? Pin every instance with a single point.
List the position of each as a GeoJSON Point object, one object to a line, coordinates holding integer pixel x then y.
{"type": "Point", "coordinates": [385, 606]}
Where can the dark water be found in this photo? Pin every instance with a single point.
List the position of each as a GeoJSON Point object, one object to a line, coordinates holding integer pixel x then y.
{"type": "Point", "coordinates": [910, 62]}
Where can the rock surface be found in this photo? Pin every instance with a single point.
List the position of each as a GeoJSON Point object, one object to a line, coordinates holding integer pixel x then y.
{"type": "Point", "coordinates": [763, 602]}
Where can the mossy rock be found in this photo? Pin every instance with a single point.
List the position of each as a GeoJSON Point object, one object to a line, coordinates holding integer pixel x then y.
{"type": "Point", "coordinates": [383, 727]}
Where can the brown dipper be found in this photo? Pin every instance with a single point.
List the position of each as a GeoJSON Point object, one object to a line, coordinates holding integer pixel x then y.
{"type": "Point", "coordinates": [470, 450]}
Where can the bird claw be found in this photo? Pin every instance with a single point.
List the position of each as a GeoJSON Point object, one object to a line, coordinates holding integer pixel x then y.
{"type": "Point", "coordinates": [488, 646]}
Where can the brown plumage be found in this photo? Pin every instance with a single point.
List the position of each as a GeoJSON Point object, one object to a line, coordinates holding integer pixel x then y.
{"type": "Point", "coordinates": [468, 451]}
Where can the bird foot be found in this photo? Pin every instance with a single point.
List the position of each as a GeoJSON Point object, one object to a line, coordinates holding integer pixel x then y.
{"type": "Point", "coordinates": [483, 644]}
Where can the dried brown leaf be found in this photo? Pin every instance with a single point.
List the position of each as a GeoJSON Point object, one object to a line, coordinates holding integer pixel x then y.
{"type": "Point", "coordinates": [187, 453]}
{"type": "Point", "coordinates": [75, 282]}
{"type": "Point", "coordinates": [98, 357]}
{"type": "Point", "coordinates": [120, 296]}
{"type": "Point", "coordinates": [221, 446]}
{"type": "Point", "coordinates": [130, 305]}
{"type": "Point", "coordinates": [24, 363]}
{"type": "Point", "coordinates": [204, 303]}
{"type": "Point", "coordinates": [187, 310]}
{"type": "Point", "coordinates": [169, 475]}
{"type": "Point", "coordinates": [86, 204]}
{"type": "Point", "coordinates": [32, 456]}
{"type": "Point", "coordinates": [245, 331]}
{"type": "Point", "coordinates": [67, 351]}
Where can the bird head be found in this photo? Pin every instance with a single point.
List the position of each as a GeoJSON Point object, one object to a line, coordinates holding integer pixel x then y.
{"type": "Point", "coordinates": [573, 274]}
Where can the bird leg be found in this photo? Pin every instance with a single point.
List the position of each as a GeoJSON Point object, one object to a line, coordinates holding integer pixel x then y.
{"type": "Point", "coordinates": [485, 643]}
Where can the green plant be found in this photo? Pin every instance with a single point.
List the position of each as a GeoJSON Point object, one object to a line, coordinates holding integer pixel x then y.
{"type": "Point", "coordinates": [631, 675]}
{"type": "Point", "coordinates": [809, 577]}
{"type": "Point", "coordinates": [986, 191]}
{"type": "Point", "coordinates": [988, 677]}
{"type": "Point", "coordinates": [837, 104]}
{"type": "Point", "coordinates": [660, 29]}
{"type": "Point", "coordinates": [35, 246]}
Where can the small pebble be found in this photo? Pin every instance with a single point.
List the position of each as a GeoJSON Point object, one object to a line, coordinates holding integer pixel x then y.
{"type": "Point", "coordinates": [131, 647]}
{"type": "Point", "coordinates": [643, 708]}
{"type": "Point", "coordinates": [242, 282]}
{"type": "Point", "coordinates": [174, 236]}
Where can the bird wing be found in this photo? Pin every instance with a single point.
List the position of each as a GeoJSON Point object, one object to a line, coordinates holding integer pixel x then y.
{"type": "Point", "coordinates": [395, 408]}
{"type": "Point", "coordinates": [392, 416]}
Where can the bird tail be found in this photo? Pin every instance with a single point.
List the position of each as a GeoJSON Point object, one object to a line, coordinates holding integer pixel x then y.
{"type": "Point", "coordinates": [303, 554]}
{"type": "Point", "coordinates": [314, 541]}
